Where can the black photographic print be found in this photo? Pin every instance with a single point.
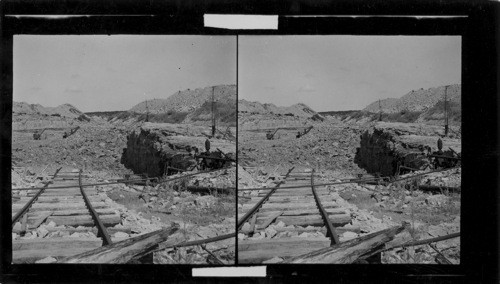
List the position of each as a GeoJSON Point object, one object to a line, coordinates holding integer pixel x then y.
{"type": "Point", "coordinates": [346, 142]}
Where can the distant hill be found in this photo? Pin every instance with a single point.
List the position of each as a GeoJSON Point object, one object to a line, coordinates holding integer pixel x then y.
{"type": "Point", "coordinates": [300, 109]}
{"type": "Point", "coordinates": [421, 106]}
{"type": "Point", "coordinates": [418, 100]}
{"type": "Point", "coordinates": [387, 105]}
{"type": "Point", "coordinates": [187, 100]}
{"type": "Point", "coordinates": [186, 106]}
{"type": "Point", "coordinates": [64, 110]}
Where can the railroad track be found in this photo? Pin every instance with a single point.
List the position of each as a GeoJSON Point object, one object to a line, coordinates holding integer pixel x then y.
{"type": "Point", "coordinates": [302, 219]}
{"type": "Point", "coordinates": [77, 219]}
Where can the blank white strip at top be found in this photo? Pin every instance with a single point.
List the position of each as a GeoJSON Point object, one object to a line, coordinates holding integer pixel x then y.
{"type": "Point", "coordinates": [241, 22]}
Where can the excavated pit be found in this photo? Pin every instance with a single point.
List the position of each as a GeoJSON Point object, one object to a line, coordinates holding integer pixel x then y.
{"type": "Point", "coordinates": [153, 147]}
{"type": "Point", "coordinates": [387, 145]}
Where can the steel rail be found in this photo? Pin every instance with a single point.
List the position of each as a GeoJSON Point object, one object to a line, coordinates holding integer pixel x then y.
{"type": "Point", "coordinates": [301, 186]}
{"type": "Point", "coordinates": [100, 226]}
{"type": "Point", "coordinates": [329, 226]}
{"type": "Point", "coordinates": [352, 181]}
{"type": "Point", "coordinates": [264, 199]}
{"type": "Point", "coordinates": [25, 208]}
{"type": "Point", "coordinates": [123, 181]}
{"type": "Point", "coordinates": [421, 174]}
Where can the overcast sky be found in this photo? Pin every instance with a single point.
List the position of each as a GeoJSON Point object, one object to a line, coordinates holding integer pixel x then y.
{"type": "Point", "coordinates": [343, 72]}
{"type": "Point", "coordinates": [98, 73]}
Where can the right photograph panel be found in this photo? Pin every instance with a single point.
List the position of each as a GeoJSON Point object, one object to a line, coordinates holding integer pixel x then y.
{"type": "Point", "coordinates": [349, 149]}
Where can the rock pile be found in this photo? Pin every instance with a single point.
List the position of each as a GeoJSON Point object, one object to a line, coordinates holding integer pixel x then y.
{"type": "Point", "coordinates": [91, 146]}
{"type": "Point", "coordinates": [388, 145]}
{"type": "Point", "coordinates": [324, 147]}
{"type": "Point", "coordinates": [154, 147]}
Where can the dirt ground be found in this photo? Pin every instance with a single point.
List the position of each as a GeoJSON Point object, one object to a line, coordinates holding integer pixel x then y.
{"type": "Point", "coordinates": [329, 148]}
{"type": "Point", "coordinates": [96, 148]}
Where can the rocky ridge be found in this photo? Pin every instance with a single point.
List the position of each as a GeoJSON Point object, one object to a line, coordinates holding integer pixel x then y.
{"type": "Point", "coordinates": [187, 100]}
{"type": "Point", "coordinates": [417, 100]}
{"type": "Point", "coordinates": [64, 110]}
{"type": "Point", "coordinates": [299, 110]}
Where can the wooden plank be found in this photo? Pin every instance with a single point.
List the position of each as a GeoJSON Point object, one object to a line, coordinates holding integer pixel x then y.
{"type": "Point", "coordinates": [59, 206]}
{"type": "Point", "coordinates": [289, 203]}
{"type": "Point", "coordinates": [265, 244]}
{"type": "Point", "coordinates": [297, 197]}
{"type": "Point", "coordinates": [72, 192]}
{"type": "Point", "coordinates": [295, 193]}
{"type": "Point", "coordinates": [19, 204]}
{"type": "Point", "coordinates": [305, 189]}
{"type": "Point", "coordinates": [282, 198]}
{"type": "Point", "coordinates": [311, 220]}
{"type": "Point", "coordinates": [81, 220]}
{"type": "Point", "coordinates": [54, 244]}
{"type": "Point", "coordinates": [350, 251]}
{"type": "Point", "coordinates": [269, 219]}
{"type": "Point", "coordinates": [256, 251]}
{"type": "Point", "coordinates": [125, 251]}
{"type": "Point", "coordinates": [103, 211]}
{"type": "Point", "coordinates": [75, 188]}
{"type": "Point", "coordinates": [39, 219]}
{"type": "Point", "coordinates": [111, 230]}
{"type": "Point", "coordinates": [297, 182]}
{"type": "Point", "coordinates": [315, 211]}
{"type": "Point", "coordinates": [55, 199]}
{"type": "Point", "coordinates": [288, 206]}
{"type": "Point", "coordinates": [63, 193]}
{"type": "Point", "coordinates": [25, 256]}
{"type": "Point", "coordinates": [303, 201]}
{"type": "Point", "coordinates": [299, 230]}
{"type": "Point", "coordinates": [253, 201]}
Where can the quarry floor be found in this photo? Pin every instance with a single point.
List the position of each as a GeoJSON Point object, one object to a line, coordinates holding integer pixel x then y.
{"type": "Point", "coordinates": [330, 150]}
{"type": "Point", "coordinates": [96, 148]}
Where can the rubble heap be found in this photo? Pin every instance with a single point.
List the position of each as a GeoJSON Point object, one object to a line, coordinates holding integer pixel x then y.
{"type": "Point", "coordinates": [153, 147]}
{"type": "Point", "coordinates": [390, 144]}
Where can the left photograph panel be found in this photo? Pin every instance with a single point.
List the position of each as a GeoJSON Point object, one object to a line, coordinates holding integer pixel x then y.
{"type": "Point", "coordinates": [123, 149]}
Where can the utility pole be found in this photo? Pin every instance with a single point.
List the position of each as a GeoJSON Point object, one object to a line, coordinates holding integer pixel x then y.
{"type": "Point", "coordinates": [379, 110]}
{"type": "Point", "coordinates": [213, 113]}
{"type": "Point", "coordinates": [147, 109]}
{"type": "Point", "coordinates": [445, 112]}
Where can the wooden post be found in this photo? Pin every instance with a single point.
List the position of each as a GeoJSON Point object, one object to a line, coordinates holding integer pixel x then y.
{"type": "Point", "coordinates": [445, 112]}
{"type": "Point", "coordinates": [24, 224]}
